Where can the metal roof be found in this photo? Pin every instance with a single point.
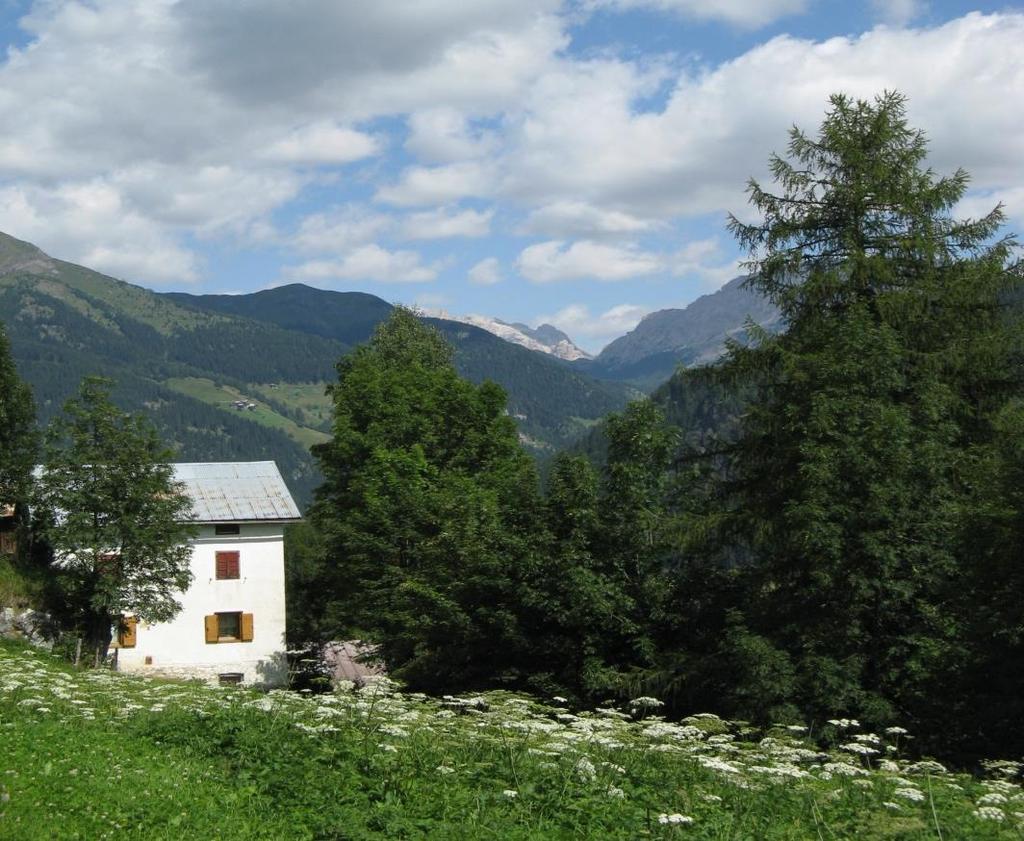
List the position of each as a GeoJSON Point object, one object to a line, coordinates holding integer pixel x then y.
{"type": "Point", "coordinates": [237, 491]}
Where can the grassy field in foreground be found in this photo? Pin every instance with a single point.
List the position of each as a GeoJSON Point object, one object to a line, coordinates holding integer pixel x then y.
{"type": "Point", "coordinates": [91, 754]}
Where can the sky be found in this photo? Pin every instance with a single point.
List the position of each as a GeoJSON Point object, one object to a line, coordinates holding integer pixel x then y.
{"type": "Point", "coordinates": [560, 161]}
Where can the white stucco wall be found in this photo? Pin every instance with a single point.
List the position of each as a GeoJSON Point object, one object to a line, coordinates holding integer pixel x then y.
{"type": "Point", "coordinates": [179, 649]}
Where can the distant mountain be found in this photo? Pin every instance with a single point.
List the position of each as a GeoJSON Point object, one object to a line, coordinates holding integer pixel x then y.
{"type": "Point", "coordinates": [543, 339]}
{"type": "Point", "coordinates": [242, 376]}
{"type": "Point", "coordinates": [649, 354]}
{"type": "Point", "coordinates": [552, 402]}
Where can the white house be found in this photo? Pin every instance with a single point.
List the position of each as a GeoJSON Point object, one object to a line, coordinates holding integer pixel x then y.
{"type": "Point", "coordinates": [231, 627]}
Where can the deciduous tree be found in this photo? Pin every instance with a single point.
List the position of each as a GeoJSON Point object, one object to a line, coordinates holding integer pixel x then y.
{"type": "Point", "coordinates": [113, 516]}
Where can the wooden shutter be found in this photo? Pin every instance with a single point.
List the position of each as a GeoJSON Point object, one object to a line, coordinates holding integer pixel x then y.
{"type": "Point", "coordinates": [227, 565]}
{"type": "Point", "coordinates": [212, 631]}
{"type": "Point", "coordinates": [126, 632]}
{"type": "Point", "coordinates": [246, 635]}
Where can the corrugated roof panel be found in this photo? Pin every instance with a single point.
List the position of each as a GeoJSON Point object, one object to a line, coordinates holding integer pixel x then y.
{"type": "Point", "coordinates": [228, 491]}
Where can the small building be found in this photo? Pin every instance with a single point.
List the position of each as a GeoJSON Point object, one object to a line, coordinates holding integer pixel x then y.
{"type": "Point", "coordinates": [231, 627]}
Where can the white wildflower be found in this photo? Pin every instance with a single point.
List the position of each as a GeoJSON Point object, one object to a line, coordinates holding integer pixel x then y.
{"type": "Point", "coordinates": [992, 799]}
{"type": "Point", "coordinates": [444, 769]}
{"type": "Point", "coordinates": [890, 805]}
{"type": "Point", "coordinates": [615, 792]}
{"type": "Point", "coordinates": [857, 747]}
{"type": "Point", "coordinates": [989, 813]}
{"type": "Point", "coordinates": [646, 702]}
{"type": "Point", "coordinates": [910, 794]}
{"type": "Point", "coordinates": [675, 819]}
{"type": "Point", "coordinates": [896, 731]}
{"type": "Point", "coordinates": [585, 769]}
{"type": "Point", "coordinates": [511, 793]}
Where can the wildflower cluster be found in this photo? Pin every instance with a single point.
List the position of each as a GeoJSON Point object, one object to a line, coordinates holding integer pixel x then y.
{"type": "Point", "coordinates": [519, 766]}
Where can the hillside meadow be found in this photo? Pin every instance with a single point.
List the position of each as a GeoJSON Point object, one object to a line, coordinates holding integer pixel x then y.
{"type": "Point", "coordinates": [94, 754]}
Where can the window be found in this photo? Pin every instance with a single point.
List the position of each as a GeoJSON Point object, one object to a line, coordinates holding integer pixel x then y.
{"type": "Point", "coordinates": [229, 627]}
{"type": "Point", "coordinates": [227, 528]}
{"type": "Point", "coordinates": [230, 678]}
{"type": "Point", "coordinates": [227, 565]}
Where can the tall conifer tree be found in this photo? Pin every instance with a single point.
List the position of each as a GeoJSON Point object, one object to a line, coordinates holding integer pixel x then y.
{"type": "Point", "coordinates": [845, 490]}
{"type": "Point", "coordinates": [18, 438]}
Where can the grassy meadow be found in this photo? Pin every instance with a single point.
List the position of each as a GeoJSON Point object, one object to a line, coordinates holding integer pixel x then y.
{"type": "Point", "coordinates": [94, 754]}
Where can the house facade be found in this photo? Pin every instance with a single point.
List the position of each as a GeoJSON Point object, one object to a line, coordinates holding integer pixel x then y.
{"type": "Point", "coordinates": [231, 627]}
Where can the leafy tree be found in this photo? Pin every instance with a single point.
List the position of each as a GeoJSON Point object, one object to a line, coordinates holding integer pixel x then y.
{"type": "Point", "coordinates": [845, 487]}
{"type": "Point", "coordinates": [18, 438]}
{"type": "Point", "coordinates": [426, 512]}
{"type": "Point", "coordinates": [113, 516]}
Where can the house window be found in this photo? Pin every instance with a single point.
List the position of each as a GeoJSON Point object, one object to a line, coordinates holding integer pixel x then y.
{"type": "Point", "coordinates": [227, 528]}
{"type": "Point", "coordinates": [229, 627]}
{"type": "Point", "coordinates": [227, 565]}
{"type": "Point", "coordinates": [230, 678]}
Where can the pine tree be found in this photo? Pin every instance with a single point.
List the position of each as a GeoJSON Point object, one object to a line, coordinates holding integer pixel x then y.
{"type": "Point", "coordinates": [18, 438]}
{"type": "Point", "coordinates": [427, 512]}
{"type": "Point", "coordinates": [113, 516]}
{"type": "Point", "coordinates": [844, 489]}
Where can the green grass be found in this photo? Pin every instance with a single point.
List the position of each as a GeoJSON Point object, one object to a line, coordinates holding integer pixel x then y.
{"type": "Point", "coordinates": [308, 398]}
{"type": "Point", "coordinates": [99, 755]}
{"type": "Point", "coordinates": [223, 396]}
{"type": "Point", "coordinates": [18, 587]}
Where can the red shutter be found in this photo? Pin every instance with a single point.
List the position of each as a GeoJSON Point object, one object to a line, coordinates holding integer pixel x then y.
{"type": "Point", "coordinates": [227, 565]}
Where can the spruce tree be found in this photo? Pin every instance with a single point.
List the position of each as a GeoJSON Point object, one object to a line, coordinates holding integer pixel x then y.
{"type": "Point", "coordinates": [18, 437]}
{"type": "Point", "coordinates": [844, 492]}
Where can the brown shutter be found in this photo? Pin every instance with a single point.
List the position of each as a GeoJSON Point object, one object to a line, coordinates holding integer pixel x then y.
{"type": "Point", "coordinates": [227, 565]}
{"type": "Point", "coordinates": [126, 632]}
{"type": "Point", "coordinates": [212, 632]}
{"type": "Point", "coordinates": [246, 627]}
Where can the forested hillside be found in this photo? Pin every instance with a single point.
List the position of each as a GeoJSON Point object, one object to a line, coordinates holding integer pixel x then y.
{"type": "Point", "coordinates": [552, 402]}
{"type": "Point", "coordinates": [243, 377]}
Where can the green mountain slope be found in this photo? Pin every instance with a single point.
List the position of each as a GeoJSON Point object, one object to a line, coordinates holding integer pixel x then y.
{"type": "Point", "coordinates": [242, 377]}
{"type": "Point", "coordinates": [552, 402]}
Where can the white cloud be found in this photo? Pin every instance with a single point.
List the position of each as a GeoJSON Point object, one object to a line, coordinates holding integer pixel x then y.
{"type": "Point", "coordinates": [323, 143]}
{"type": "Point", "coordinates": [583, 134]}
{"type": "Point", "coordinates": [547, 262]}
{"type": "Point", "coordinates": [368, 262]}
{"type": "Point", "coordinates": [88, 223]}
{"type": "Point", "coordinates": [444, 135]}
{"type": "Point", "coordinates": [593, 331]}
{"type": "Point", "coordinates": [898, 12]}
{"type": "Point", "coordinates": [485, 273]}
{"type": "Point", "coordinates": [340, 229]}
{"type": "Point", "coordinates": [745, 13]}
{"type": "Point", "coordinates": [576, 218]}
{"type": "Point", "coordinates": [421, 185]}
{"type": "Point", "coordinates": [442, 222]}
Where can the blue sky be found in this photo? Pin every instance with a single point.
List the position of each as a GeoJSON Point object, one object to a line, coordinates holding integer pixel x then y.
{"type": "Point", "coordinates": [533, 160]}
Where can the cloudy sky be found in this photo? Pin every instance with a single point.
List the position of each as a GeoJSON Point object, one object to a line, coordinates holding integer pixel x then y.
{"type": "Point", "coordinates": [533, 160]}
